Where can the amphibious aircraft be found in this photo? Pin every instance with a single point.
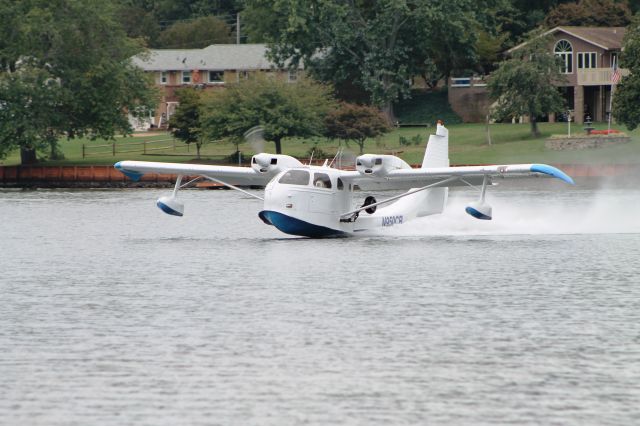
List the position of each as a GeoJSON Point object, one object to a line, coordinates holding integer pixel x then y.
{"type": "Point", "coordinates": [320, 201]}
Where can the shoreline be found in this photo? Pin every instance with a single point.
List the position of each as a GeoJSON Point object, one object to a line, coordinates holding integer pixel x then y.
{"type": "Point", "coordinates": [106, 176]}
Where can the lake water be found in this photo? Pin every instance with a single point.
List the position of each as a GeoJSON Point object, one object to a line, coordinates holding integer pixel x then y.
{"type": "Point", "coordinates": [112, 313]}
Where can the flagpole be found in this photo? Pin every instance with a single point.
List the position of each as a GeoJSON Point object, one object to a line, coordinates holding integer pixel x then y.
{"type": "Point", "coordinates": [610, 107]}
{"type": "Point", "coordinates": [613, 85]}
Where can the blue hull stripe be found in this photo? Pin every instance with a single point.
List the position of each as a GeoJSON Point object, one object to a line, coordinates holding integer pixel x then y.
{"type": "Point", "coordinates": [293, 226]}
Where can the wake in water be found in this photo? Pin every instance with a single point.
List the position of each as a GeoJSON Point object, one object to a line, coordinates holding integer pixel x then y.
{"type": "Point", "coordinates": [535, 213]}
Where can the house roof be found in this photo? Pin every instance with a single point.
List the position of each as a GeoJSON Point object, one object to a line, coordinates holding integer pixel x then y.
{"type": "Point", "coordinates": [608, 38]}
{"type": "Point", "coordinates": [217, 57]}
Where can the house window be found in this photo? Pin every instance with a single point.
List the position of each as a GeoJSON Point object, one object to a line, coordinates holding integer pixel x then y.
{"type": "Point", "coordinates": [216, 77]}
{"type": "Point", "coordinates": [614, 60]}
{"type": "Point", "coordinates": [186, 77]}
{"type": "Point", "coordinates": [587, 60]}
{"type": "Point", "coordinates": [564, 51]}
{"type": "Point", "coordinates": [293, 76]}
{"type": "Point", "coordinates": [243, 75]}
{"type": "Point", "coordinates": [164, 77]}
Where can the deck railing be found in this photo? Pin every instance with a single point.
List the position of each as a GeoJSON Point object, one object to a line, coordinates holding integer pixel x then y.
{"type": "Point", "coordinates": [597, 76]}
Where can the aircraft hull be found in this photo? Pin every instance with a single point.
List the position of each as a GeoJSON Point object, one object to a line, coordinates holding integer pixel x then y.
{"type": "Point", "coordinates": [293, 226]}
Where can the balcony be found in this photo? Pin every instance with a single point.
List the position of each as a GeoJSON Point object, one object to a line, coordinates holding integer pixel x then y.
{"type": "Point", "coordinates": [597, 76]}
{"type": "Point", "coordinates": [474, 81]}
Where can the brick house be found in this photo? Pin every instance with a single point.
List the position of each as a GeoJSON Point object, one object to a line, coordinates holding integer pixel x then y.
{"type": "Point", "coordinates": [587, 54]}
{"type": "Point", "coordinates": [210, 68]}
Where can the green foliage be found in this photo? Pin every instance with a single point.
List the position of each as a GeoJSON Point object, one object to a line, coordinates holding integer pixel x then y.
{"type": "Point", "coordinates": [172, 10]}
{"type": "Point", "coordinates": [524, 84]}
{"type": "Point", "coordinates": [281, 109]}
{"type": "Point", "coordinates": [261, 23]}
{"type": "Point", "coordinates": [378, 45]}
{"type": "Point", "coordinates": [25, 97]}
{"type": "Point", "coordinates": [66, 69]}
{"type": "Point", "coordinates": [139, 23]}
{"type": "Point", "coordinates": [185, 122]}
{"type": "Point", "coordinates": [626, 108]}
{"type": "Point", "coordinates": [425, 108]}
{"type": "Point", "coordinates": [406, 141]}
{"type": "Point", "coordinates": [594, 13]}
{"type": "Point", "coordinates": [316, 152]}
{"type": "Point", "coordinates": [195, 34]}
{"type": "Point", "coordinates": [590, 13]}
{"type": "Point", "coordinates": [489, 48]}
{"type": "Point", "coordinates": [355, 122]}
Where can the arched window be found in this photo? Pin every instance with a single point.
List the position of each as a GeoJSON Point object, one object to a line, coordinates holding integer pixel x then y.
{"type": "Point", "coordinates": [564, 51]}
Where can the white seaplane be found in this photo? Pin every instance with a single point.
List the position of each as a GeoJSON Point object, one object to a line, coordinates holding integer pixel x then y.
{"type": "Point", "coordinates": [320, 201]}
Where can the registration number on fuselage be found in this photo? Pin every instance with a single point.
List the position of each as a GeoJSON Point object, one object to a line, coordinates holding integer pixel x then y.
{"type": "Point", "coordinates": [392, 220]}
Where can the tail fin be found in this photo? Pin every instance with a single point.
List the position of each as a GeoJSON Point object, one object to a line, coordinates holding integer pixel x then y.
{"type": "Point", "coordinates": [429, 201]}
{"type": "Point", "coordinates": [437, 153]}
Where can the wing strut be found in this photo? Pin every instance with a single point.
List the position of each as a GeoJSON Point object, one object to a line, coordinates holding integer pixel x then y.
{"type": "Point", "coordinates": [388, 200]}
{"type": "Point", "coordinates": [233, 187]}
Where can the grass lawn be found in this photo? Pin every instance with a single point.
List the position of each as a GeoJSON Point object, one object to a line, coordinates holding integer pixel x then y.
{"type": "Point", "coordinates": [511, 144]}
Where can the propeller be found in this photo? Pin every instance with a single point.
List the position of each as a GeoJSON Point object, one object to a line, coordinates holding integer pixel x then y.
{"type": "Point", "coordinates": [255, 137]}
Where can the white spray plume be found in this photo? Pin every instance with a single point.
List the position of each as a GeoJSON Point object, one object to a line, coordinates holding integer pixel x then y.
{"type": "Point", "coordinates": [531, 212]}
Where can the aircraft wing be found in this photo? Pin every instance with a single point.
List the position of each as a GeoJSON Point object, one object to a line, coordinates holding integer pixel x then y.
{"type": "Point", "coordinates": [412, 178]}
{"type": "Point", "coordinates": [229, 174]}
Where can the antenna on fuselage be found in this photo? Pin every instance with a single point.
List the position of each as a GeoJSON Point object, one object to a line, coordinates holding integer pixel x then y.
{"type": "Point", "coordinates": [336, 156]}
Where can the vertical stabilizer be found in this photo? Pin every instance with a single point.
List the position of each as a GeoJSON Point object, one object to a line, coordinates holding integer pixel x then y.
{"type": "Point", "coordinates": [430, 201]}
{"type": "Point", "coordinates": [437, 153]}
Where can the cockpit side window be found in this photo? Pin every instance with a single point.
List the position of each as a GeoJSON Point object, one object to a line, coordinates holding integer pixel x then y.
{"type": "Point", "coordinates": [295, 177]}
{"type": "Point", "coordinates": [274, 161]}
{"type": "Point", "coordinates": [378, 161]}
{"type": "Point", "coordinates": [340, 184]}
{"type": "Point", "coordinates": [321, 180]}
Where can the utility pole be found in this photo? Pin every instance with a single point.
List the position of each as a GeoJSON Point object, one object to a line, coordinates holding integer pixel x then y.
{"type": "Point", "coordinates": [237, 28]}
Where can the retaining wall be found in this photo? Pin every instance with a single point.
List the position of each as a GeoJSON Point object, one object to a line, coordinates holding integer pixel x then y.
{"type": "Point", "coordinates": [560, 144]}
{"type": "Point", "coordinates": [107, 176]}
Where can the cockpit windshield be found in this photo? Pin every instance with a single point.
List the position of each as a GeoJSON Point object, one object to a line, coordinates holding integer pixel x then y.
{"type": "Point", "coordinates": [295, 177]}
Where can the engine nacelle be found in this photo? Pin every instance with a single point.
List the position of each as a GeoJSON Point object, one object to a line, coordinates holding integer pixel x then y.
{"type": "Point", "coordinates": [273, 163]}
{"type": "Point", "coordinates": [379, 165]}
{"type": "Point", "coordinates": [170, 205]}
{"type": "Point", "coordinates": [479, 210]}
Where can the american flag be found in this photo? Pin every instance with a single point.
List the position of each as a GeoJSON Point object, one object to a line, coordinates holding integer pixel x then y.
{"type": "Point", "coordinates": [615, 76]}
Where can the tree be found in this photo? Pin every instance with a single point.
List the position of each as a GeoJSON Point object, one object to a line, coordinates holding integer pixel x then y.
{"type": "Point", "coordinates": [28, 112]}
{"type": "Point", "coordinates": [185, 122]}
{"type": "Point", "coordinates": [355, 122]}
{"type": "Point", "coordinates": [139, 23]}
{"type": "Point", "coordinates": [195, 34]}
{"type": "Point", "coordinates": [66, 71]}
{"type": "Point", "coordinates": [626, 108]}
{"type": "Point", "coordinates": [173, 10]}
{"type": "Point", "coordinates": [377, 45]}
{"type": "Point", "coordinates": [281, 109]}
{"type": "Point", "coordinates": [593, 13]}
{"type": "Point", "coordinates": [524, 84]}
